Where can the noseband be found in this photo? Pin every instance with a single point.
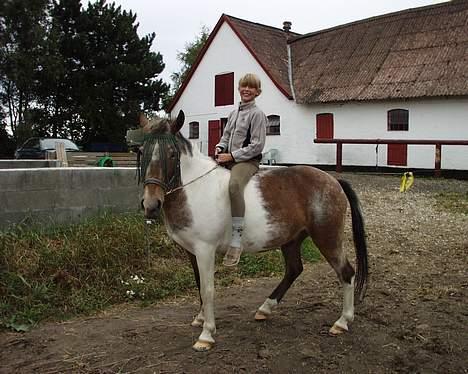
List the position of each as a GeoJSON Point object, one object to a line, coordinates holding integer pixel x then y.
{"type": "Point", "coordinates": [157, 182]}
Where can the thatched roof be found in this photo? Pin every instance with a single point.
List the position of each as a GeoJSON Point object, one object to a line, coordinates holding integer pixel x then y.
{"type": "Point", "coordinates": [268, 45]}
{"type": "Point", "coordinates": [421, 52]}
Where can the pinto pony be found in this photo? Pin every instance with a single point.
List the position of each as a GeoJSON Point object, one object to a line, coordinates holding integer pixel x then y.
{"type": "Point", "coordinates": [283, 206]}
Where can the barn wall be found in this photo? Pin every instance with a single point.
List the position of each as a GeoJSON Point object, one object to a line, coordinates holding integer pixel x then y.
{"type": "Point", "coordinates": [197, 100]}
{"type": "Point", "coordinates": [428, 119]}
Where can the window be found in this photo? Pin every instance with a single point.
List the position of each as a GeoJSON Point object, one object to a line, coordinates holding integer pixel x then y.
{"type": "Point", "coordinates": [32, 143]}
{"type": "Point", "coordinates": [224, 89]}
{"type": "Point", "coordinates": [397, 120]}
{"type": "Point", "coordinates": [324, 126]}
{"type": "Point", "coordinates": [194, 128]}
{"type": "Point", "coordinates": [273, 126]}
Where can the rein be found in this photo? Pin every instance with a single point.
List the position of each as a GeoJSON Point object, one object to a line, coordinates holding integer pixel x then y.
{"type": "Point", "coordinates": [164, 186]}
{"type": "Point", "coordinates": [193, 180]}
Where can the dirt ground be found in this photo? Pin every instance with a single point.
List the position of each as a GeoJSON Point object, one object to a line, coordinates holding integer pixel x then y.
{"type": "Point", "coordinates": [414, 318]}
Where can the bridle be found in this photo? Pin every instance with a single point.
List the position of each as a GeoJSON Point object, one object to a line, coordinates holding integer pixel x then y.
{"type": "Point", "coordinates": [170, 184]}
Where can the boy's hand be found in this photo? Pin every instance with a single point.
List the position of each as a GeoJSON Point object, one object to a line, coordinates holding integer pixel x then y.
{"type": "Point", "coordinates": [222, 158]}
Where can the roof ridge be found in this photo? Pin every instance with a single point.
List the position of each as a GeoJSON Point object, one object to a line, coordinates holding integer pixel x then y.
{"type": "Point", "coordinates": [259, 24]}
{"type": "Point", "coordinates": [373, 18]}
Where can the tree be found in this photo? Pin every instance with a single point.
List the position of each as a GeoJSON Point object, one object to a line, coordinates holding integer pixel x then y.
{"type": "Point", "coordinates": [22, 30]}
{"type": "Point", "coordinates": [74, 72]}
{"type": "Point", "coordinates": [7, 146]}
{"type": "Point", "coordinates": [57, 111]}
{"type": "Point", "coordinates": [187, 58]}
{"type": "Point", "coordinates": [119, 73]}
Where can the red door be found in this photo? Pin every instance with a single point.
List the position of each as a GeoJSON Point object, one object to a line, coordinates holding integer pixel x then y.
{"type": "Point", "coordinates": [397, 154]}
{"type": "Point", "coordinates": [324, 128]}
{"type": "Point", "coordinates": [214, 134]}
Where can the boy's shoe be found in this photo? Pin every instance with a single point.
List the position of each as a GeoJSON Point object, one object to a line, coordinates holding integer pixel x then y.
{"type": "Point", "coordinates": [232, 256]}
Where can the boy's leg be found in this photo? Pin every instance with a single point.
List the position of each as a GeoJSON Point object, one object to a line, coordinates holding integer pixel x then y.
{"type": "Point", "coordinates": [240, 175]}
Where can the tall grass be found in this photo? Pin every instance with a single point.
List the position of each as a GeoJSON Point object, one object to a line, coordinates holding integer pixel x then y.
{"type": "Point", "coordinates": [59, 272]}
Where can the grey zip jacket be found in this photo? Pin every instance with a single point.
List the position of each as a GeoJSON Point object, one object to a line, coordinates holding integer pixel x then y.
{"type": "Point", "coordinates": [245, 133]}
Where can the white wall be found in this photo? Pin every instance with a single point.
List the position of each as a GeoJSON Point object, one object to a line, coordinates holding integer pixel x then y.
{"type": "Point", "coordinates": [227, 54]}
{"type": "Point", "coordinates": [428, 119]}
{"type": "Point", "coordinates": [445, 119]}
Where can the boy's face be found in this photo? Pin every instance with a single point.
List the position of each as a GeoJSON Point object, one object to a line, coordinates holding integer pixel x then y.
{"type": "Point", "coordinates": [247, 93]}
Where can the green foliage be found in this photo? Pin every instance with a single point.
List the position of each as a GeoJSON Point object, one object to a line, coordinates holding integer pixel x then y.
{"type": "Point", "coordinates": [60, 272]}
{"type": "Point", "coordinates": [7, 146]}
{"type": "Point", "coordinates": [23, 26]}
{"type": "Point", "coordinates": [121, 80]}
{"type": "Point", "coordinates": [64, 271]}
{"type": "Point", "coordinates": [74, 72]}
{"type": "Point", "coordinates": [310, 253]}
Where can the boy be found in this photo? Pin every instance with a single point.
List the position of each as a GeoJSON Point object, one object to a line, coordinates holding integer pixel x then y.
{"type": "Point", "coordinates": [240, 149]}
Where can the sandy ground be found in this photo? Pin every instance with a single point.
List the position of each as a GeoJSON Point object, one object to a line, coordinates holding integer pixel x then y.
{"type": "Point", "coordinates": [414, 318]}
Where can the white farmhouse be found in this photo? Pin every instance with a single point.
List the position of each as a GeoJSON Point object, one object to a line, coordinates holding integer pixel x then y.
{"type": "Point", "coordinates": [400, 76]}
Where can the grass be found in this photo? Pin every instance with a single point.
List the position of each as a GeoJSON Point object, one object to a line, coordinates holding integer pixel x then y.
{"type": "Point", "coordinates": [453, 202]}
{"type": "Point", "coordinates": [61, 272]}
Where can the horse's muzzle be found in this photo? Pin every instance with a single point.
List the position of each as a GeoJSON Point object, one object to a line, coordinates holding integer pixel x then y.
{"type": "Point", "coordinates": [153, 210]}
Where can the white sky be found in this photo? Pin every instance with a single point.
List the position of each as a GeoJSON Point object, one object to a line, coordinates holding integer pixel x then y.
{"type": "Point", "coordinates": [179, 22]}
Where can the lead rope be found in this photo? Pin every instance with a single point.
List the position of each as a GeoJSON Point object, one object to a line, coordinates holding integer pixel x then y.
{"type": "Point", "coordinates": [193, 180]}
{"type": "Point", "coordinates": [148, 226]}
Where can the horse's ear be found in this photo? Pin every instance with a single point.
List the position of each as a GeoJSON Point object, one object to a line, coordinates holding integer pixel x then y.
{"type": "Point", "coordinates": [179, 122]}
{"type": "Point", "coordinates": [143, 120]}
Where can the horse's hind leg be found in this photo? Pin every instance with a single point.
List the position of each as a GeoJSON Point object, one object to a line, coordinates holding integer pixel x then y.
{"type": "Point", "coordinates": [292, 258]}
{"type": "Point", "coordinates": [199, 319]}
{"type": "Point", "coordinates": [331, 248]}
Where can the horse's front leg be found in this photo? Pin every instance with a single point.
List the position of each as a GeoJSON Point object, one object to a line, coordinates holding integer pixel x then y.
{"type": "Point", "coordinates": [200, 318]}
{"type": "Point", "coordinates": [206, 264]}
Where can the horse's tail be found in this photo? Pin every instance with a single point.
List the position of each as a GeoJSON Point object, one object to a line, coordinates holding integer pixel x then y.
{"type": "Point", "coordinates": [359, 237]}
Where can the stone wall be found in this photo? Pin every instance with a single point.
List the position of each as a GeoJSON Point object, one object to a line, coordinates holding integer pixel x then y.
{"type": "Point", "coordinates": [17, 164]}
{"type": "Point", "coordinates": [40, 196]}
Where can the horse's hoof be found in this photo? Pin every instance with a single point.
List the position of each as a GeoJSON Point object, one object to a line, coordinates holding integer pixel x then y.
{"type": "Point", "coordinates": [197, 323]}
{"type": "Point", "coordinates": [260, 316]}
{"type": "Point", "coordinates": [337, 330]}
{"type": "Point", "coordinates": [201, 346]}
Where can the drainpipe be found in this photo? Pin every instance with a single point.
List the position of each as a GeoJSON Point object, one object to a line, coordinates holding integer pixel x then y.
{"type": "Point", "coordinates": [287, 28]}
{"type": "Point", "coordinates": [290, 73]}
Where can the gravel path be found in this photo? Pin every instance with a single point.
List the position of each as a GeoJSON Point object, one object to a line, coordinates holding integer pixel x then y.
{"type": "Point", "coordinates": [414, 318]}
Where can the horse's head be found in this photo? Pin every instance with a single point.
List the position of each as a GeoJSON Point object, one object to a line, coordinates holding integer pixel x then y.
{"type": "Point", "coordinates": [160, 161]}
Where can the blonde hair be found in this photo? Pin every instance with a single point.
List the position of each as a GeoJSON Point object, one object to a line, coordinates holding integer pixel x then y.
{"type": "Point", "coordinates": [251, 80]}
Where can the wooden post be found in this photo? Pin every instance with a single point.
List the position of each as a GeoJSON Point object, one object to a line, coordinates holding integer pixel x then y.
{"type": "Point", "coordinates": [339, 156]}
{"type": "Point", "coordinates": [61, 154]}
{"type": "Point", "coordinates": [438, 157]}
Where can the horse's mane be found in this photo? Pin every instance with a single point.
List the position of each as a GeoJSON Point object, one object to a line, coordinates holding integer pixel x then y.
{"type": "Point", "coordinates": [161, 126]}
{"type": "Point", "coordinates": [184, 144]}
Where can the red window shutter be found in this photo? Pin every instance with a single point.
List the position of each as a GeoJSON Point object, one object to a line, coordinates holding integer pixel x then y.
{"type": "Point", "coordinates": [214, 134]}
{"type": "Point", "coordinates": [397, 154]}
{"type": "Point", "coordinates": [224, 89]}
{"type": "Point", "coordinates": [324, 128]}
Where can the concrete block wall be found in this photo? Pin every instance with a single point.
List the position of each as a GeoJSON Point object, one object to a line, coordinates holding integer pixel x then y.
{"type": "Point", "coordinates": [17, 164]}
{"type": "Point", "coordinates": [63, 195]}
